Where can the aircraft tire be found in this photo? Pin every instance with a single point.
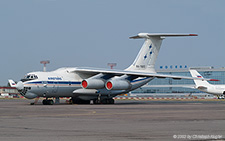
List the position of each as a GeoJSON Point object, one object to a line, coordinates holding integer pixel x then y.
{"type": "Point", "coordinates": [80, 101]}
{"type": "Point", "coordinates": [91, 102]}
{"type": "Point", "coordinates": [50, 102]}
{"type": "Point", "coordinates": [104, 101]}
{"type": "Point", "coordinates": [111, 101]}
{"type": "Point", "coordinates": [44, 102]}
{"type": "Point", "coordinates": [47, 102]}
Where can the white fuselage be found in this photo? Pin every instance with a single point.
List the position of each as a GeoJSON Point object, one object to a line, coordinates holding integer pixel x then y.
{"type": "Point", "coordinates": [62, 83]}
{"type": "Point", "coordinates": [214, 89]}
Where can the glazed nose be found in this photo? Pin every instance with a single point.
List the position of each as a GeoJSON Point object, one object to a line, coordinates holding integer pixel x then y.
{"type": "Point", "coordinates": [19, 85]}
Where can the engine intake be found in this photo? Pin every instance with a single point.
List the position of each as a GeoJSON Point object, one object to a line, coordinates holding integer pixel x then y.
{"type": "Point", "coordinates": [92, 84]}
{"type": "Point", "coordinates": [118, 85]}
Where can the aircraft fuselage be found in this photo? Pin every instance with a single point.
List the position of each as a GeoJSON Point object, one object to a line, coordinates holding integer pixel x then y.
{"type": "Point", "coordinates": [62, 83]}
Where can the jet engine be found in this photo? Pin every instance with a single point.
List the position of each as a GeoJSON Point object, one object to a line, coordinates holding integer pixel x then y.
{"type": "Point", "coordinates": [118, 84]}
{"type": "Point", "coordinates": [93, 84]}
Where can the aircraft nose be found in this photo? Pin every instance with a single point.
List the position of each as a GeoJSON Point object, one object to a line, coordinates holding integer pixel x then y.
{"type": "Point", "coordinates": [20, 85]}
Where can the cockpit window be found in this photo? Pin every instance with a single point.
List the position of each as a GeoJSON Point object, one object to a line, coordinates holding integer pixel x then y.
{"type": "Point", "coordinates": [29, 77]}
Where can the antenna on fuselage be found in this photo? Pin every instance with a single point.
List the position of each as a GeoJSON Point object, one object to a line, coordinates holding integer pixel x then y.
{"type": "Point", "coordinates": [45, 62]}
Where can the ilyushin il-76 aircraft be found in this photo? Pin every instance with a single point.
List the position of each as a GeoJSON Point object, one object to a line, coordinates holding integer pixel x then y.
{"type": "Point", "coordinates": [91, 85]}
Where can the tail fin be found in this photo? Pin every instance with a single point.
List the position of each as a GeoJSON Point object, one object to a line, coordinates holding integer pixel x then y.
{"type": "Point", "coordinates": [145, 60]}
{"type": "Point", "coordinates": [18, 86]}
{"type": "Point", "coordinates": [12, 83]}
{"type": "Point", "coordinates": [198, 83]}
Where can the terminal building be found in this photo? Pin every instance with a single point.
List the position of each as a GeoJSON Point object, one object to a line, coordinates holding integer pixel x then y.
{"type": "Point", "coordinates": [9, 92]}
{"type": "Point", "coordinates": [183, 86]}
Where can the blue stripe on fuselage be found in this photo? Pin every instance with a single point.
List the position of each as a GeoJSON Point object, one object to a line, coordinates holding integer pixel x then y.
{"type": "Point", "coordinates": [53, 82]}
{"type": "Point", "coordinates": [72, 83]}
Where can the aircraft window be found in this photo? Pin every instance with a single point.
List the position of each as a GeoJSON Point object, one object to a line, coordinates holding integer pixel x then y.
{"type": "Point", "coordinates": [29, 77]}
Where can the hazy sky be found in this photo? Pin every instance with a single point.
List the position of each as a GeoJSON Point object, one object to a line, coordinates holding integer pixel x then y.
{"type": "Point", "coordinates": [93, 33]}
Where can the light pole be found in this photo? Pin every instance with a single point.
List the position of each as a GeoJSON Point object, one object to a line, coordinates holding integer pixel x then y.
{"type": "Point", "coordinates": [112, 65]}
{"type": "Point", "coordinates": [45, 62]}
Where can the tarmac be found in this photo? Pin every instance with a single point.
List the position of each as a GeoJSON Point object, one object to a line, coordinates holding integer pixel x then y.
{"type": "Point", "coordinates": [125, 120]}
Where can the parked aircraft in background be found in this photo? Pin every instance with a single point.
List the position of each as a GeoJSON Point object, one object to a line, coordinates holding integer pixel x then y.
{"type": "Point", "coordinates": [90, 85]}
{"type": "Point", "coordinates": [204, 86]}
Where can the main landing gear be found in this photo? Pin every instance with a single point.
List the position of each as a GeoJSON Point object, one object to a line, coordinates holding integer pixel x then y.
{"type": "Point", "coordinates": [92, 101]}
{"type": "Point", "coordinates": [221, 96]}
{"type": "Point", "coordinates": [35, 101]}
{"type": "Point", "coordinates": [47, 102]}
{"type": "Point", "coordinates": [102, 101]}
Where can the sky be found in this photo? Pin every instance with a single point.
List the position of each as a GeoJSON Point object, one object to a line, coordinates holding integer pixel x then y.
{"type": "Point", "coordinates": [93, 33]}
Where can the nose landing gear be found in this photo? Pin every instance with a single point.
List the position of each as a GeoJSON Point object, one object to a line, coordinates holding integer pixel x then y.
{"type": "Point", "coordinates": [35, 101]}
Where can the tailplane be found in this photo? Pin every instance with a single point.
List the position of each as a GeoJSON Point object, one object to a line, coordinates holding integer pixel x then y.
{"type": "Point", "coordinates": [145, 60]}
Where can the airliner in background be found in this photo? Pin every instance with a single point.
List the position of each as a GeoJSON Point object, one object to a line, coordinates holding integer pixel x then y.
{"type": "Point", "coordinates": [204, 86]}
{"type": "Point", "coordinates": [92, 85]}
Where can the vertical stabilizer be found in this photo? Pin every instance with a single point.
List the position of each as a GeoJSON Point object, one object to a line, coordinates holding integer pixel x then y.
{"type": "Point", "coordinates": [12, 83]}
{"type": "Point", "coordinates": [198, 83]}
{"type": "Point", "coordinates": [145, 60]}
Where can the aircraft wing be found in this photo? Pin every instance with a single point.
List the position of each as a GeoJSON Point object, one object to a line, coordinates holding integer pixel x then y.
{"type": "Point", "coordinates": [95, 71]}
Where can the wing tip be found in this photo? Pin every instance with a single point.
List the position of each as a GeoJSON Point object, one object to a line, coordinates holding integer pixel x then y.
{"type": "Point", "coordinates": [193, 34]}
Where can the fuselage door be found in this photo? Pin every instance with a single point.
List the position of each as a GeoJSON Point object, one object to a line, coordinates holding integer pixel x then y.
{"type": "Point", "coordinates": [55, 87]}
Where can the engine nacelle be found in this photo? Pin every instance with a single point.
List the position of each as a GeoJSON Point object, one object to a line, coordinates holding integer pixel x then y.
{"type": "Point", "coordinates": [118, 84]}
{"type": "Point", "coordinates": [93, 84]}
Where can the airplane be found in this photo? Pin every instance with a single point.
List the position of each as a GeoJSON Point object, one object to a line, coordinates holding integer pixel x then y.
{"type": "Point", "coordinates": [93, 85]}
{"type": "Point", "coordinates": [204, 86]}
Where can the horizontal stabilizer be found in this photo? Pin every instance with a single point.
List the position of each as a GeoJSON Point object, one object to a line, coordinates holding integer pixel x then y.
{"type": "Point", "coordinates": [214, 80]}
{"type": "Point", "coordinates": [162, 35]}
{"type": "Point", "coordinates": [201, 87]}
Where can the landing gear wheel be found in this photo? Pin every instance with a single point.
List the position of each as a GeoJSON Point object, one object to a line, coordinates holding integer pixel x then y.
{"type": "Point", "coordinates": [111, 101]}
{"type": "Point", "coordinates": [44, 102]}
{"type": "Point", "coordinates": [97, 101]}
{"type": "Point", "coordinates": [47, 102]}
{"type": "Point", "coordinates": [80, 101]}
{"type": "Point", "coordinates": [50, 102]}
{"type": "Point", "coordinates": [91, 102]}
{"type": "Point", "coordinates": [104, 101]}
